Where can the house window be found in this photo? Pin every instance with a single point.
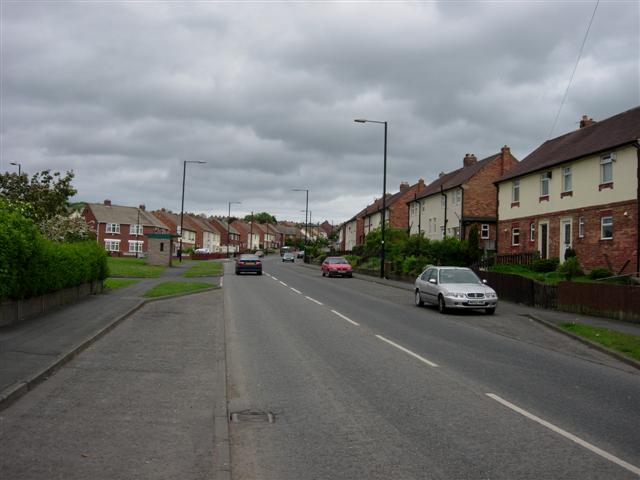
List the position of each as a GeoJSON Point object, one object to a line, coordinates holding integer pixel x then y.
{"type": "Point", "coordinates": [515, 236]}
{"type": "Point", "coordinates": [442, 232]}
{"type": "Point", "coordinates": [515, 191]}
{"type": "Point", "coordinates": [113, 228]}
{"type": "Point", "coordinates": [135, 246]}
{"type": "Point", "coordinates": [457, 197]}
{"type": "Point", "coordinates": [112, 245]}
{"type": "Point", "coordinates": [606, 228]}
{"type": "Point", "coordinates": [135, 229]}
{"type": "Point", "coordinates": [484, 231]}
{"type": "Point", "coordinates": [606, 168]}
{"type": "Point", "coordinates": [544, 184]}
{"type": "Point", "coordinates": [532, 232]}
{"type": "Point", "coordinates": [456, 232]}
{"type": "Point", "coordinates": [566, 179]}
{"type": "Point", "coordinates": [581, 227]}
{"type": "Point", "coordinates": [443, 200]}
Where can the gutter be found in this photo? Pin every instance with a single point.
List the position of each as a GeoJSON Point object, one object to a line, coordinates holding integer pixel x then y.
{"type": "Point", "coordinates": [445, 211]}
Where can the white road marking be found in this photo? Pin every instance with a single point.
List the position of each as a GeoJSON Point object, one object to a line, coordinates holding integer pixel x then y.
{"type": "Point", "coordinates": [568, 435]}
{"type": "Point", "coordinates": [221, 281]}
{"type": "Point", "coordinates": [399, 347]}
{"type": "Point", "coordinates": [297, 291]}
{"type": "Point", "coordinates": [346, 318]}
{"type": "Point", "coordinates": [274, 278]}
{"type": "Point", "coordinates": [284, 284]}
{"type": "Point", "coordinates": [313, 300]}
{"type": "Point", "coordinates": [267, 274]}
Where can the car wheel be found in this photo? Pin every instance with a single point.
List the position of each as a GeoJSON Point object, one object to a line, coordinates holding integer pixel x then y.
{"type": "Point", "coordinates": [259, 273]}
{"type": "Point", "coordinates": [418, 299]}
{"type": "Point", "coordinates": [323, 273]}
{"type": "Point", "coordinates": [442, 307]}
{"type": "Point", "coordinates": [490, 311]}
{"type": "Point", "coordinates": [237, 272]}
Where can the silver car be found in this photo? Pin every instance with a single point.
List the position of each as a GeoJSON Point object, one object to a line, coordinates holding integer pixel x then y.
{"type": "Point", "coordinates": [454, 287]}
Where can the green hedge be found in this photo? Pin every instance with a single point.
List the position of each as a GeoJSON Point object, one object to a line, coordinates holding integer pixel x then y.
{"type": "Point", "coordinates": [30, 265]}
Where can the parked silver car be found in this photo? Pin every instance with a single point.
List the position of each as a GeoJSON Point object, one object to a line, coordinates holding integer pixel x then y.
{"type": "Point", "coordinates": [454, 287]}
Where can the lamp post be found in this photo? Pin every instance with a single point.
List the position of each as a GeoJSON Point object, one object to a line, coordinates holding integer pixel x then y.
{"type": "Point", "coordinates": [19, 167]}
{"type": "Point", "coordinates": [306, 210]}
{"type": "Point", "coordinates": [184, 172]}
{"type": "Point", "coordinates": [229, 223]}
{"type": "Point", "coordinates": [384, 189]}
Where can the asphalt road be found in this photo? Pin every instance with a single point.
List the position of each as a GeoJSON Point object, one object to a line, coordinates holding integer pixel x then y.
{"type": "Point", "coordinates": [361, 384]}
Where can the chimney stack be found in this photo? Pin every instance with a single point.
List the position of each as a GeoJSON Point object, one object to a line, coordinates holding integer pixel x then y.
{"type": "Point", "coordinates": [107, 202]}
{"type": "Point", "coordinates": [142, 207]}
{"type": "Point", "coordinates": [404, 186]}
{"type": "Point", "coordinates": [420, 184]}
{"type": "Point", "coordinates": [441, 174]}
{"type": "Point", "coordinates": [586, 121]}
{"type": "Point", "coordinates": [469, 159]}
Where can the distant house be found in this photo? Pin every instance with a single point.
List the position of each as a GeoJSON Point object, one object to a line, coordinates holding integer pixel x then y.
{"type": "Point", "coordinates": [578, 191]}
{"type": "Point", "coordinates": [450, 205]}
{"type": "Point", "coordinates": [352, 231]}
{"type": "Point", "coordinates": [206, 235]}
{"type": "Point", "coordinates": [229, 236]}
{"type": "Point", "coordinates": [397, 210]}
{"type": "Point", "coordinates": [121, 229]}
{"type": "Point", "coordinates": [287, 232]}
{"type": "Point", "coordinates": [249, 236]}
{"type": "Point", "coordinates": [189, 233]}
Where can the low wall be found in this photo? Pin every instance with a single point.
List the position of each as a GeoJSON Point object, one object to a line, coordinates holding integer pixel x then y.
{"type": "Point", "coordinates": [209, 256]}
{"type": "Point", "coordinates": [14, 311]}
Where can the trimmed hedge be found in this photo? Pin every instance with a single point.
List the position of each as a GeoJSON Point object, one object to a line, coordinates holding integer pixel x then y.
{"type": "Point", "coordinates": [30, 265]}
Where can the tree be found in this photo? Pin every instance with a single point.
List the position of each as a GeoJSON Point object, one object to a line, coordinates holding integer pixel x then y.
{"type": "Point", "coordinates": [262, 217]}
{"type": "Point", "coordinates": [41, 198]}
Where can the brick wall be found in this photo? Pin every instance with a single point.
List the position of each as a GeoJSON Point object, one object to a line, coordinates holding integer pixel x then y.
{"type": "Point", "coordinates": [591, 250]}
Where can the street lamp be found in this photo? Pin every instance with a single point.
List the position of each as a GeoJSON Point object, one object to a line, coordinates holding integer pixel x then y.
{"type": "Point", "coordinates": [184, 171]}
{"type": "Point", "coordinates": [306, 210]}
{"type": "Point", "coordinates": [19, 167]}
{"type": "Point", "coordinates": [384, 189]}
{"type": "Point", "coordinates": [229, 223]}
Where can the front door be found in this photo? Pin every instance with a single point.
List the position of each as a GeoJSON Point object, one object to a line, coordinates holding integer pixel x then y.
{"type": "Point", "coordinates": [565, 237]}
{"type": "Point", "coordinates": [544, 240]}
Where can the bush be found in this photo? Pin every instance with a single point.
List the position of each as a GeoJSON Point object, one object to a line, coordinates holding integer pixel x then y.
{"type": "Point", "coordinates": [545, 265]}
{"type": "Point", "coordinates": [600, 272]}
{"type": "Point", "coordinates": [570, 268]}
{"type": "Point", "coordinates": [569, 253]}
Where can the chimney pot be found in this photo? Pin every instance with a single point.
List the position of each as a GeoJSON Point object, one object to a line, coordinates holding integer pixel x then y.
{"type": "Point", "coordinates": [404, 186]}
{"type": "Point", "coordinates": [441, 174]}
{"type": "Point", "coordinates": [586, 121]}
{"type": "Point", "coordinates": [469, 159]}
{"type": "Point", "coordinates": [142, 206]}
{"type": "Point", "coordinates": [107, 202]}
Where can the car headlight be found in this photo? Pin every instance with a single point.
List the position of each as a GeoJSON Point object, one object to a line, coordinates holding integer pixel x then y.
{"type": "Point", "coordinates": [455, 295]}
{"type": "Point", "coordinates": [492, 295]}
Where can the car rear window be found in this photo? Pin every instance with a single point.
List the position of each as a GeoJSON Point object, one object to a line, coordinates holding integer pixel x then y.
{"type": "Point", "coordinates": [338, 261]}
{"type": "Point", "coordinates": [249, 257]}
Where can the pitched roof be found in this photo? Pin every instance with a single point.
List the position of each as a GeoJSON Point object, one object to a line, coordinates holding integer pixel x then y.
{"type": "Point", "coordinates": [455, 178]}
{"type": "Point", "coordinates": [222, 224]}
{"type": "Point", "coordinates": [174, 218]}
{"type": "Point", "coordinates": [124, 215]}
{"type": "Point", "coordinates": [200, 222]}
{"type": "Point", "coordinates": [610, 133]}
{"type": "Point", "coordinates": [287, 229]}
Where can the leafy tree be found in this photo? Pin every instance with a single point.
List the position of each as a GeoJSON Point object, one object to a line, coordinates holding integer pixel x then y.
{"type": "Point", "coordinates": [42, 197]}
{"type": "Point", "coordinates": [262, 217]}
{"type": "Point", "coordinates": [63, 228]}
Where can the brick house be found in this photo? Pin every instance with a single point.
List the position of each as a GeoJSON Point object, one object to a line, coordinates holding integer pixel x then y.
{"type": "Point", "coordinates": [396, 208]}
{"type": "Point", "coordinates": [352, 231]}
{"type": "Point", "coordinates": [579, 191]}
{"type": "Point", "coordinates": [121, 229]}
{"type": "Point", "coordinates": [287, 231]}
{"type": "Point", "coordinates": [249, 236]}
{"type": "Point", "coordinates": [206, 235]}
{"type": "Point", "coordinates": [229, 242]}
{"type": "Point", "coordinates": [450, 205]}
{"type": "Point", "coordinates": [172, 220]}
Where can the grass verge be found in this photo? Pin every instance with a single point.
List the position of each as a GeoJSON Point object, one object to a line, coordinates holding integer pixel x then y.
{"type": "Point", "coordinates": [204, 269]}
{"type": "Point", "coordinates": [132, 268]}
{"type": "Point", "coordinates": [621, 342]}
{"type": "Point", "coordinates": [114, 283]}
{"type": "Point", "coordinates": [172, 288]}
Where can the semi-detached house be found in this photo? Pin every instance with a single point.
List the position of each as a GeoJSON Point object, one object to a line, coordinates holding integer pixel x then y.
{"type": "Point", "coordinates": [579, 191]}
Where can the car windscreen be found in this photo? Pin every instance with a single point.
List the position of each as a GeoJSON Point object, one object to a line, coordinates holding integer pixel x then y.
{"type": "Point", "coordinates": [337, 261]}
{"type": "Point", "coordinates": [458, 276]}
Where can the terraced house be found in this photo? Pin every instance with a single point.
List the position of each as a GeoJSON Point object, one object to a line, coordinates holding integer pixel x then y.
{"type": "Point", "coordinates": [579, 191]}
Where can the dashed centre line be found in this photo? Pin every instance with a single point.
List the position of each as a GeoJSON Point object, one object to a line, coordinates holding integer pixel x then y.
{"type": "Point", "coordinates": [345, 318]}
{"type": "Point", "coordinates": [275, 278]}
{"type": "Point", "coordinates": [297, 291]}
{"type": "Point", "coordinates": [283, 283]}
{"type": "Point", "coordinates": [313, 300]}
{"type": "Point", "coordinates": [570, 436]}
{"type": "Point", "coordinates": [409, 352]}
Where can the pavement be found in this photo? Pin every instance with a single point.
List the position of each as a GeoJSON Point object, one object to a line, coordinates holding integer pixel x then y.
{"type": "Point", "coordinates": [31, 351]}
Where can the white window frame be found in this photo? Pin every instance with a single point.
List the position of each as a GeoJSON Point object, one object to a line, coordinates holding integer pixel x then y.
{"type": "Point", "coordinates": [457, 196]}
{"type": "Point", "coordinates": [138, 244]}
{"type": "Point", "coordinates": [485, 231]}
{"type": "Point", "coordinates": [604, 161]}
{"type": "Point", "coordinates": [545, 179]}
{"type": "Point", "coordinates": [515, 233]}
{"type": "Point", "coordinates": [581, 227]}
{"type": "Point", "coordinates": [567, 179]}
{"type": "Point", "coordinates": [112, 228]}
{"type": "Point", "coordinates": [609, 222]}
{"type": "Point", "coordinates": [135, 229]}
{"type": "Point", "coordinates": [532, 232]}
{"type": "Point", "coordinates": [515, 191]}
{"type": "Point", "coordinates": [110, 243]}
{"type": "Point", "coordinates": [443, 199]}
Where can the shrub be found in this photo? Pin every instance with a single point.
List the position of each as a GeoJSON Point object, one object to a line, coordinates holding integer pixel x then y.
{"type": "Point", "coordinates": [600, 272]}
{"type": "Point", "coordinates": [570, 268]}
{"type": "Point", "coordinates": [569, 253]}
{"type": "Point", "coordinates": [545, 265]}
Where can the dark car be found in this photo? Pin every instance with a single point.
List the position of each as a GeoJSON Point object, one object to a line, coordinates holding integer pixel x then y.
{"type": "Point", "coordinates": [289, 257]}
{"type": "Point", "coordinates": [336, 266]}
{"type": "Point", "coordinates": [248, 263]}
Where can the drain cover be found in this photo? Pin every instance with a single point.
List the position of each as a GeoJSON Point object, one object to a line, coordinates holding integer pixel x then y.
{"type": "Point", "coordinates": [251, 416]}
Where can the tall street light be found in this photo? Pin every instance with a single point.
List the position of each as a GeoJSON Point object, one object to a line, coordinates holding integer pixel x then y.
{"type": "Point", "coordinates": [229, 223]}
{"type": "Point", "coordinates": [384, 189]}
{"type": "Point", "coordinates": [19, 167]}
{"type": "Point", "coordinates": [184, 171]}
{"type": "Point", "coordinates": [306, 211]}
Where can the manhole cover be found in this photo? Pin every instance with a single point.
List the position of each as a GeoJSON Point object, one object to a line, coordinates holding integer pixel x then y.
{"type": "Point", "coordinates": [251, 416]}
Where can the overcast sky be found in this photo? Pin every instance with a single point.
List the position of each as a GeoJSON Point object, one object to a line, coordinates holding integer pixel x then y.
{"type": "Point", "coordinates": [266, 93]}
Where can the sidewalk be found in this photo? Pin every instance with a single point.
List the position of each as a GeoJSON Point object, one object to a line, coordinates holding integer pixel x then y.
{"type": "Point", "coordinates": [31, 351]}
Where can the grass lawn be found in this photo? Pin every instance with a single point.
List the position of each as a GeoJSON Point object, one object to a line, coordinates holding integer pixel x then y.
{"type": "Point", "coordinates": [171, 288]}
{"type": "Point", "coordinates": [132, 268]}
{"type": "Point", "coordinates": [550, 278]}
{"type": "Point", "coordinates": [204, 269]}
{"type": "Point", "coordinates": [621, 342]}
{"type": "Point", "coordinates": [113, 283]}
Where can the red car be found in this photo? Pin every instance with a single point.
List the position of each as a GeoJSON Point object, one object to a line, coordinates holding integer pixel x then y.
{"type": "Point", "coordinates": [336, 266]}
